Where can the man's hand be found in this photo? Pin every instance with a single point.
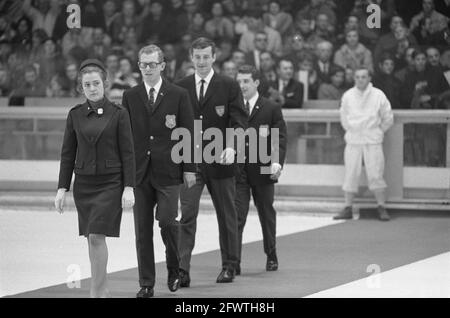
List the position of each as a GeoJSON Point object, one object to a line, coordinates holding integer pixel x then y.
{"type": "Point", "coordinates": [190, 178]}
{"type": "Point", "coordinates": [128, 198]}
{"type": "Point", "coordinates": [227, 156]}
{"type": "Point", "coordinates": [60, 200]}
{"type": "Point", "coordinates": [275, 170]}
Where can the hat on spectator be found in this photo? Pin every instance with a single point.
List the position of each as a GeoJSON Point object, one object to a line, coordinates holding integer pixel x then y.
{"type": "Point", "coordinates": [92, 62]}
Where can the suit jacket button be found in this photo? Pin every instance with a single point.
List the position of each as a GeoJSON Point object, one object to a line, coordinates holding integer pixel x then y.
{"type": "Point", "coordinates": [151, 138]}
{"type": "Point", "coordinates": [148, 153]}
{"type": "Point", "coordinates": [201, 117]}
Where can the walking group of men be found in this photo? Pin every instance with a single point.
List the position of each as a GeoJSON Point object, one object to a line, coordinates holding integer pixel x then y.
{"type": "Point", "coordinates": [156, 108]}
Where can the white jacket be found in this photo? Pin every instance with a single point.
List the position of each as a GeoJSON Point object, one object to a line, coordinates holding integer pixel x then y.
{"type": "Point", "coordinates": [365, 115]}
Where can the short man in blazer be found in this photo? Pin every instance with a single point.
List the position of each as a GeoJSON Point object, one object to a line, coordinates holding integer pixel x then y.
{"type": "Point", "coordinates": [217, 103]}
{"type": "Point", "coordinates": [156, 108]}
{"type": "Point", "coordinates": [290, 91]}
{"type": "Point", "coordinates": [265, 117]}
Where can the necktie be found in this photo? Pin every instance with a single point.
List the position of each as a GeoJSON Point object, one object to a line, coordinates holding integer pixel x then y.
{"type": "Point", "coordinates": [247, 108]}
{"type": "Point", "coordinates": [151, 100]}
{"type": "Point", "coordinates": [202, 93]}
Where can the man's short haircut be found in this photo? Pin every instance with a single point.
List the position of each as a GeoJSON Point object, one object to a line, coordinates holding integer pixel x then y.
{"type": "Point", "coordinates": [150, 49]}
{"type": "Point", "coordinates": [284, 59]}
{"type": "Point", "coordinates": [324, 43]}
{"type": "Point", "coordinates": [202, 43]}
{"type": "Point", "coordinates": [334, 69]}
{"type": "Point", "coordinates": [249, 69]}
{"type": "Point", "coordinates": [363, 68]}
{"type": "Point", "coordinates": [418, 52]}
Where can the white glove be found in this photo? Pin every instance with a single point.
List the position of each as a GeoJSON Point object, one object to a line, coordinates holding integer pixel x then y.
{"type": "Point", "coordinates": [275, 170]}
{"type": "Point", "coordinates": [60, 200]}
{"type": "Point", "coordinates": [128, 198]}
{"type": "Point", "coordinates": [227, 156]}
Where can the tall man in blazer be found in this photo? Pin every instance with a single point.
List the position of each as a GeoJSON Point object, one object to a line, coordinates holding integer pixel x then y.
{"type": "Point", "coordinates": [264, 118]}
{"type": "Point", "coordinates": [156, 108]}
{"type": "Point", "coordinates": [217, 103]}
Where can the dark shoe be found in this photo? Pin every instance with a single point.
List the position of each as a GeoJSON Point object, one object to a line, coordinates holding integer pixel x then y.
{"type": "Point", "coordinates": [271, 266]}
{"type": "Point", "coordinates": [145, 292]}
{"type": "Point", "coordinates": [185, 280]}
{"type": "Point", "coordinates": [173, 281]}
{"type": "Point", "coordinates": [382, 213]}
{"type": "Point", "coordinates": [237, 271]}
{"type": "Point", "coordinates": [345, 214]}
{"type": "Point", "coordinates": [225, 276]}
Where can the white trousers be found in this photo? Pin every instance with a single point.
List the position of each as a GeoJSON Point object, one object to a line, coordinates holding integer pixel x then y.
{"type": "Point", "coordinates": [373, 161]}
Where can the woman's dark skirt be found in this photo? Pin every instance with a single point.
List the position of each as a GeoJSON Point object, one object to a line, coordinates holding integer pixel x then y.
{"type": "Point", "coordinates": [98, 200]}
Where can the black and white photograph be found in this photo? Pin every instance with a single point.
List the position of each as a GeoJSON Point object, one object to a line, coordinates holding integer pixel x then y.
{"type": "Point", "coordinates": [225, 155]}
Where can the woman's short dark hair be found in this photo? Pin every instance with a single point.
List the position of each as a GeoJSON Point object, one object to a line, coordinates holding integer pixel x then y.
{"type": "Point", "coordinates": [87, 70]}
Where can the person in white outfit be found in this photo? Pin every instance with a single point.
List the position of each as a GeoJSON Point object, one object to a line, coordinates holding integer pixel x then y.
{"type": "Point", "coordinates": [366, 115]}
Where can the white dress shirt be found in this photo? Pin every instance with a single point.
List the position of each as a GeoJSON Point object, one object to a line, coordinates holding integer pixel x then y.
{"type": "Point", "coordinates": [198, 83]}
{"type": "Point", "coordinates": [252, 102]}
{"type": "Point", "coordinates": [157, 87]}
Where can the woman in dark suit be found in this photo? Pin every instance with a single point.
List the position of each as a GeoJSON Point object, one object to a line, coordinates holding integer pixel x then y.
{"type": "Point", "coordinates": [98, 147]}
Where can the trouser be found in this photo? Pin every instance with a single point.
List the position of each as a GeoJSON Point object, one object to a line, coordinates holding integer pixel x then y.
{"type": "Point", "coordinates": [263, 196]}
{"type": "Point", "coordinates": [148, 195]}
{"type": "Point", "coordinates": [373, 158]}
{"type": "Point", "coordinates": [223, 192]}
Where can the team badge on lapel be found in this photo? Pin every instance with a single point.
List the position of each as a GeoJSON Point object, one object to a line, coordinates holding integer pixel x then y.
{"type": "Point", "coordinates": [171, 121]}
{"type": "Point", "coordinates": [220, 110]}
{"type": "Point", "coordinates": [264, 131]}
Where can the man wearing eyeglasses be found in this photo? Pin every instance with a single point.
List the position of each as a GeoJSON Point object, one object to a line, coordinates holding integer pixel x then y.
{"type": "Point", "coordinates": [253, 58]}
{"type": "Point", "coordinates": [156, 108]}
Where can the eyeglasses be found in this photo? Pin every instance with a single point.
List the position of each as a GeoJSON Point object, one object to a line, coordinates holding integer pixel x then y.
{"type": "Point", "coordinates": [152, 65]}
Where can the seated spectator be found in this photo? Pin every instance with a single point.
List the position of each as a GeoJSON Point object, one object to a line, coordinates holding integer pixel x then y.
{"type": "Point", "coordinates": [126, 19]}
{"type": "Point", "coordinates": [423, 86]}
{"type": "Point", "coordinates": [44, 15]}
{"type": "Point", "coordinates": [253, 58]}
{"type": "Point", "coordinates": [434, 59]}
{"type": "Point", "coordinates": [238, 57]}
{"type": "Point", "coordinates": [55, 88]}
{"type": "Point", "coordinates": [296, 49]}
{"type": "Point", "coordinates": [335, 88]}
{"type": "Point", "coordinates": [349, 78]}
{"type": "Point", "coordinates": [109, 14]}
{"type": "Point", "coordinates": [5, 82]}
{"type": "Point", "coordinates": [268, 68]}
{"type": "Point", "coordinates": [229, 69]}
{"type": "Point", "coordinates": [23, 32]}
{"type": "Point", "coordinates": [7, 33]}
{"type": "Point", "coordinates": [401, 34]}
{"type": "Point", "coordinates": [125, 78]}
{"type": "Point", "coordinates": [255, 24]}
{"type": "Point", "coordinates": [157, 26]}
{"type": "Point", "coordinates": [70, 80]}
{"type": "Point", "coordinates": [409, 61]}
{"type": "Point", "coordinates": [37, 48]}
{"type": "Point", "coordinates": [219, 27]}
{"type": "Point", "coordinates": [224, 51]}
{"type": "Point", "coordinates": [31, 87]}
{"type": "Point", "coordinates": [385, 80]}
{"type": "Point", "coordinates": [323, 31]}
{"type": "Point", "coordinates": [308, 75]}
{"type": "Point", "coordinates": [51, 62]}
{"type": "Point", "coordinates": [5, 50]}
{"type": "Point", "coordinates": [367, 35]}
{"type": "Point", "coordinates": [389, 41]}
{"type": "Point", "coordinates": [428, 24]}
{"type": "Point", "coordinates": [316, 7]}
{"type": "Point", "coordinates": [197, 28]}
{"type": "Point", "coordinates": [302, 26]}
{"type": "Point", "coordinates": [323, 63]}
{"type": "Point", "coordinates": [92, 14]}
{"type": "Point", "coordinates": [277, 19]}
{"type": "Point", "coordinates": [101, 44]}
{"type": "Point", "coordinates": [112, 66]}
{"type": "Point", "coordinates": [353, 54]}
{"type": "Point", "coordinates": [286, 90]}
{"type": "Point", "coordinates": [172, 63]}
{"type": "Point", "coordinates": [16, 66]}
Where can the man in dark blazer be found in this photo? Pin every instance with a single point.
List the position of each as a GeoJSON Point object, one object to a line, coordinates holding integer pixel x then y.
{"type": "Point", "coordinates": [217, 103]}
{"type": "Point", "coordinates": [286, 90]}
{"type": "Point", "coordinates": [323, 63]}
{"type": "Point", "coordinates": [258, 175]}
{"type": "Point", "coordinates": [156, 108]}
{"type": "Point", "coordinates": [254, 57]}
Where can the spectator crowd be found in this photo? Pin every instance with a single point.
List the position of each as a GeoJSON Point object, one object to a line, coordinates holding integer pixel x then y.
{"type": "Point", "coordinates": [304, 49]}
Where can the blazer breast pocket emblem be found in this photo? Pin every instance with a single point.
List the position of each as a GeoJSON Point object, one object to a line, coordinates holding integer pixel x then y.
{"type": "Point", "coordinates": [289, 95]}
{"type": "Point", "coordinates": [171, 121]}
{"type": "Point", "coordinates": [220, 110]}
{"type": "Point", "coordinates": [264, 131]}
